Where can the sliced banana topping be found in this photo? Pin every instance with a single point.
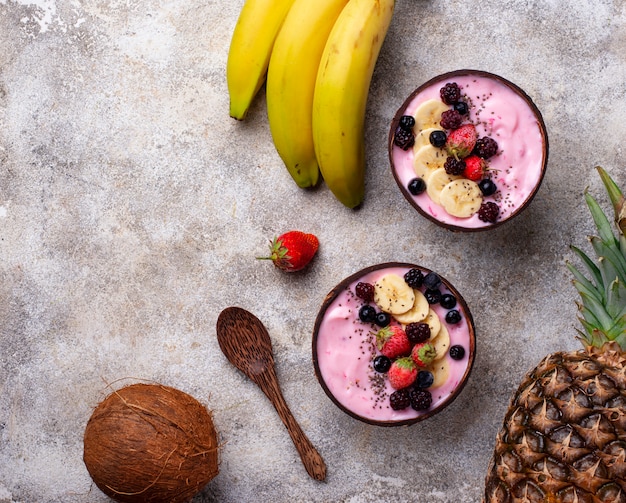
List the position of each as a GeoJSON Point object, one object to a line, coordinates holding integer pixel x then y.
{"type": "Point", "coordinates": [461, 198]}
{"type": "Point", "coordinates": [435, 183]}
{"type": "Point", "coordinates": [428, 114]}
{"type": "Point", "coordinates": [433, 322]}
{"type": "Point", "coordinates": [422, 138]}
{"type": "Point", "coordinates": [427, 160]}
{"type": "Point", "coordinates": [417, 313]}
{"type": "Point", "coordinates": [441, 342]}
{"type": "Point", "coordinates": [441, 370]}
{"type": "Point", "coordinates": [393, 295]}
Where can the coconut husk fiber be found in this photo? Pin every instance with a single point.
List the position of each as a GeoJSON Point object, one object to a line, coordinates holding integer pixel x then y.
{"type": "Point", "coordinates": [151, 443]}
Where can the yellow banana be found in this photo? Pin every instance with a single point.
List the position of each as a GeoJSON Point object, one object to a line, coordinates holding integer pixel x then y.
{"type": "Point", "coordinates": [250, 50]}
{"type": "Point", "coordinates": [291, 81]}
{"type": "Point", "coordinates": [341, 92]}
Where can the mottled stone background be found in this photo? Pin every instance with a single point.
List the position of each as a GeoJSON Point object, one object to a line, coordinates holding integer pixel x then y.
{"type": "Point", "coordinates": [132, 208]}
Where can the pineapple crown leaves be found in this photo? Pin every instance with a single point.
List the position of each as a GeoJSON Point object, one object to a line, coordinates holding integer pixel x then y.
{"type": "Point", "coordinates": [603, 294]}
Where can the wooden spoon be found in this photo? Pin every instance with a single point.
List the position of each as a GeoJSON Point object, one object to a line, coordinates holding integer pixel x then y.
{"type": "Point", "coordinates": [246, 343]}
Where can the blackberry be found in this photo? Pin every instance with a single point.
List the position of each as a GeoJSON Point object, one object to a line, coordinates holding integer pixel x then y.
{"type": "Point", "coordinates": [457, 352]}
{"type": "Point", "coordinates": [367, 314]}
{"type": "Point", "coordinates": [414, 278]}
{"type": "Point", "coordinates": [433, 296]}
{"type": "Point", "coordinates": [364, 291]}
{"type": "Point", "coordinates": [438, 138]}
{"type": "Point", "coordinates": [461, 107]}
{"type": "Point", "coordinates": [424, 379]}
{"type": "Point", "coordinates": [488, 212]}
{"type": "Point", "coordinates": [451, 119]}
{"type": "Point", "coordinates": [448, 301]}
{"type": "Point", "coordinates": [418, 332]}
{"type": "Point", "coordinates": [381, 364]}
{"type": "Point", "coordinates": [454, 166]}
{"type": "Point", "coordinates": [453, 317]}
{"type": "Point", "coordinates": [420, 399]}
{"type": "Point", "coordinates": [382, 319]}
{"type": "Point", "coordinates": [416, 186]}
{"type": "Point", "coordinates": [400, 399]}
{"type": "Point", "coordinates": [432, 280]}
{"type": "Point", "coordinates": [486, 147]}
{"type": "Point", "coordinates": [403, 138]}
{"type": "Point", "coordinates": [407, 122]}
{"type": "Point", "coordinates": [450, 93]}
{"type": "Point", "coordinates": [487, 186]}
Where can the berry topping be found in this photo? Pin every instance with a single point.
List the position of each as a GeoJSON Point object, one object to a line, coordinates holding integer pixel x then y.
{"type": "Point", "coordinates": [461, 107]}
{"type": "Point", "coordinates": [448, 301]}
{"type": "Point", "coordinates": [382, 319]}
{"type": "Point", "coordinates": [438, 138]}
{"type": "Point", "coordinates": [381, 364]}
{"type": "Point", "coordinates": [487, 187]}
{"type": "Point", "coordinates": [450, 93]}
{"type": "Point", "coordinates": [425, 379]}
{"type": "Point", "coordinates": [400, 399]}
{"type": "Point", "coordinates": [407, 122]}
{"type": "Point", "coordinates": [433, 296]}
{"type": "Point", "coordinates": [420, 399]}
{"type": "Point", "coordinates": [393, 342]}
{"type": "Point", "coordinates": [414, 278]}
{"type": "Point", "coordinates": [453, 317]}
{"type": "Point", "coordinates": [417, 186]}
{"type": "Point", "coordinates": [461, 141]}
{"type": "Point", "coordinates": [402, 373]}
{"type": "Point", "coordinates": [488, 212]}
{"type": "Point", "coordinates": [364, 291]}
{"type": "Point", "coordinates": [486, 147]}
{"type": "Point", "coordinates": [451, 119]}
{"type": "Point", "coordinates": [423, 354]}
{"type": "Point", "coordinates": [404, 139]}
{"type": "Point", "coordinates": [432, 280]}
{"type": "Point", "coordinates": [418, 332]}
{"type": "Point", "coordinates": [475, 168]}
{"type": "Point", "coordinates": [367, 314]}
{"type": "Point", "coordinates": [457, 352]}
{"type": "Point", "coordinates": [454, 166]}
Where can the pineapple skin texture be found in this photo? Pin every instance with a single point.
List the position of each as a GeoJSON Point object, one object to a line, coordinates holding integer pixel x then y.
{"type": "Point", "coordinates": [563, 438]}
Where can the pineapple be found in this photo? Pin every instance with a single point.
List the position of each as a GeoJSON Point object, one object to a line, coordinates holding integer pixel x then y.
{"type": "Point", "coordinates": [564, 435]}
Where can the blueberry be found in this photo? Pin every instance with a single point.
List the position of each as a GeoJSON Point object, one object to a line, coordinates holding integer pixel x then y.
{"type": "Point", "coordinates": [461, 107]}
{"type": "Point", "coordinates": [367, 314]}
{"type": "Point", "coordinates": [457, 352]}
{"type": "Point", "coordinates": [433, 296]}
{"type": "Point", "coordinates": [416, 186]}
{"type": "Point", "coordinates": [453, 317]}
{"type": "Point", "coordinates": [407, 122]}
{"type": "Point", "coordinates": [424, 379]}
{"type": "Point", "coordinates": [448, 301]}
{"type": "Point", "coordinates": [381, 364]}
{"type": "Point", "coordinates": [438, 138]}
{"type": "Point", "coordinates": [431, 280]}
{"type": "Point", "coordinates": [382, 319]}
{"type": "Point", "coordinates": [487, 187]}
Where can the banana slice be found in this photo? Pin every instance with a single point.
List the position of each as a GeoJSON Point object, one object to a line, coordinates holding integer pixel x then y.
{"type": "Point", "coordinates": [441, 371]}
{"type": "Point", "coordinates": [418, 312]}
{"type": "Point", "coordinates": [436, 181]}
{"type": "Point", "coordinates": [441, 342]}
{"type": "Point", "coordinates": [434, 323]}
{"type": "Point", "coordinates": [393, 295]}
{"type": "Point", "coordinates": [427, 160]}
{"type": "Point", "coordinates": [428, 114]}
{"type": "Point", "coordinates": [423, 138]}
{"type": "Point", "coordinates": [461, 198]}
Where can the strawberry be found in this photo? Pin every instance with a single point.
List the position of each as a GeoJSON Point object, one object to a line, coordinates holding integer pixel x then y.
{"type": "Point", "coordinates": [292, 251]}
{"type": "Point", "coordinates": [402, 373]}
{"type": "Point", "coordinates": [461, 141]}
{"type": "Point", "coordinates": [423, 354]}
{"type": "Point", "coordinates": [393, 342]}
{"type": "Point", "coordinates": [475, 168]}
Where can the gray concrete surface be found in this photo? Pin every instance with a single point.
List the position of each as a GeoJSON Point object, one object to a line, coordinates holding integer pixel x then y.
{"type": "Point", "coordinates": [132, 208]}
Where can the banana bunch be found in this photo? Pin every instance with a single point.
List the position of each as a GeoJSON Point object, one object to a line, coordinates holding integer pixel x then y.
{"type": "Point", "coordinates": [320, 63]}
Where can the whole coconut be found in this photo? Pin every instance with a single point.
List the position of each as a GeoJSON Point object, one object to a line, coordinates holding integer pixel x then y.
{"type": "Point", "coordinates": [151, 443]}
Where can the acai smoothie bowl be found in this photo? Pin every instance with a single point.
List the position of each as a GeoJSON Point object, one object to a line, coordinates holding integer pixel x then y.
{"type": "Point", "coordinates": [468, 149]}
{"type": "Point", "coordinates": [393, 344]}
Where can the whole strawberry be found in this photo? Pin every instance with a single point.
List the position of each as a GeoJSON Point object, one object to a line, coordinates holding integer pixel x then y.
{"type": "Point", "coordinates": [402, 373]}
{"type": "Point", "coordinates": [461, 141]}
{"type": "Point", "coordinates": [475, 168]}
{"type": "Point", "coordinates": [292, 251]}
{"type": "Point", "coordinates": [393, 342]}
{"type": "Point", "coordinates": [423, 354]}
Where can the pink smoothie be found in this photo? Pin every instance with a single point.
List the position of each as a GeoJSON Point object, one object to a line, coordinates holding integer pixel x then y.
{"type": "Point", "coordinates": [502, 112]}
{"type": "Point", "coordinates": [345, 348]}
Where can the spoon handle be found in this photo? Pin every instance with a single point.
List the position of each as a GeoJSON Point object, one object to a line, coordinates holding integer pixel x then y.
{"type": "Point", "coordinates": [311, 459]}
